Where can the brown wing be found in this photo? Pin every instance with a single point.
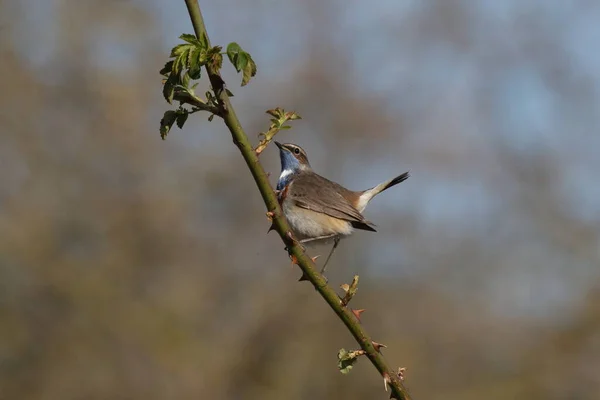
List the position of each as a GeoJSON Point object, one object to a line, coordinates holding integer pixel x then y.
{"type": "Point", "coordinates": [313, 192]}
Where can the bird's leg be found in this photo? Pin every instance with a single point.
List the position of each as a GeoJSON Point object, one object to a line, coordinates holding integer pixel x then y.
{"type": "Point", "coordinates": [317, 238]}
{"type": "Point", "coordinates": [335, 244]}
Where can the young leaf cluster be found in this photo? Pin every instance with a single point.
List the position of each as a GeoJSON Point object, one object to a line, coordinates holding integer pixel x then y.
{"type": "Point", "coordinates": [185, 66]}
{"type": "Point", "coordinates": [188, 58]}
{"type": "Point", "coordinates": [349, 291]}
{"type": "Point", "coordinates": [278, 123]}
{"type": "Point", "coordinates": [187, 61]}
{"type": "Point", "coordinates": [346, 359]}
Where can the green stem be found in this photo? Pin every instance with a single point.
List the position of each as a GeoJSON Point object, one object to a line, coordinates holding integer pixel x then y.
{"type": "Point", "coordinates": [280, 224]}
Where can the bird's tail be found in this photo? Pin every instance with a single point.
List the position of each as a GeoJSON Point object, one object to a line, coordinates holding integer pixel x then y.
{"type": "Point", "coordinates": [368, 194]}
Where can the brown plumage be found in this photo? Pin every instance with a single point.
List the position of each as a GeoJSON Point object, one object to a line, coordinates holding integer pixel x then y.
{"type": "Point", "coordinates": [313, 192]}
{"type": "Point", "coordinates": [316, 208]}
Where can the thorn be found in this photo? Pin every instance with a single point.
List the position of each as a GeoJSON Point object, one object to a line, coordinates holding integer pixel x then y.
{"type": "Point", "coordinates": [357, 313]}
{"type": "Point", "coordinates": [401, 372]}
{"type": "Point", "coordinates": [303, 277]}
{"type": "Point", "coordinates": [294, 259]}
{"type": "Point", "coordinates": [378, 346]}
{"type": "Point", "coordinates": [268, 174]}
{"type": "Point", "coordinates": [314, 259]}
{"type": "Point", "coordinates": [270, 215]}
{"type": "Point", "coordinates": [386, 380]}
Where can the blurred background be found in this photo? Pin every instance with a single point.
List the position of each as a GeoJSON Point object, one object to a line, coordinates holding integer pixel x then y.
{"type": "Point", "coordinates": [135, 268]}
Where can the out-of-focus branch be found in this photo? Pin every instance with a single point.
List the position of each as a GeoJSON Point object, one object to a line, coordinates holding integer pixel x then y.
{"type": "Point", "coordinates": [350, 319]}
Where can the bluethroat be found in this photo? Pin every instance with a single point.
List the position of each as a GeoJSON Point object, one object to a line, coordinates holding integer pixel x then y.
{"type": "Point", "coordinates": [318, 209]}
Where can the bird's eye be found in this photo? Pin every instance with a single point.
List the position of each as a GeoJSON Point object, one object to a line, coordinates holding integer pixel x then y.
{"type": "Point", "coordinates": [297, 150]}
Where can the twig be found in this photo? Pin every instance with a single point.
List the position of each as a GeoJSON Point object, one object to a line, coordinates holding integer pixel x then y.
{"type": "Point", "coordinates": [280, 224]}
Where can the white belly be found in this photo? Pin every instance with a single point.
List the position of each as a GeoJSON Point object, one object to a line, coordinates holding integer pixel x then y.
{"type": "Point", "coordinates": [309, 224]}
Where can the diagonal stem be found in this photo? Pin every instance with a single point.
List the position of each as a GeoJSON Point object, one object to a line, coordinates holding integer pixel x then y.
{"type": "Point", "coordinates": [280, 224]}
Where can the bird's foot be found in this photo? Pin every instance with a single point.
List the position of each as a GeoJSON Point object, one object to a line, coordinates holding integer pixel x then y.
{"type": "Point", "coordinates": [291, 237]}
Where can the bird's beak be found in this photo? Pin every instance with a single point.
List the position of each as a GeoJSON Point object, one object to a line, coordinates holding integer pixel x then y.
{"type": "Point", "coordinates": [278, 144]}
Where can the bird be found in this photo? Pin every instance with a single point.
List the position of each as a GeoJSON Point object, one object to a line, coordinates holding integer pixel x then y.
{"type": "Point", "coordinates": [319, 210]}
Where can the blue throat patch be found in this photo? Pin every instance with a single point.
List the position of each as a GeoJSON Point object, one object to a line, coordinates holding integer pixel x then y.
{"type": "Point", "coordinates": [289, 167]}
{"type": "Point", "coordinates": [285, 178]}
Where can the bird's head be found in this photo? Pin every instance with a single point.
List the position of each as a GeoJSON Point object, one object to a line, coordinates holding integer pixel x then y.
{"type": "Point", "coordinates": [293, 160]}
{"type": "Point", "coordinates": [293, 157]}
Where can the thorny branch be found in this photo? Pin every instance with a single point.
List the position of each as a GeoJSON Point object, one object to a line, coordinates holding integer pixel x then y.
{"type": "Point", "coordinates": [349, 317]}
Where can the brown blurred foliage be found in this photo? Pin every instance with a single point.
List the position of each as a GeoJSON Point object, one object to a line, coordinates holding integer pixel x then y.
{"type": "Point", "coordinates": [132, 268]}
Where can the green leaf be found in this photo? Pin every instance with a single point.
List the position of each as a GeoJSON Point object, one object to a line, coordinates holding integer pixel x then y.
{"type": "Point", "coordinates": [202, 57]}
{"type": "Point", "coordinates": [181, 118]}
{"type": "Point", "coordinates": [196, 61]}
{"type": "Point", "coordinates": [195, 72]}
{"type": "Point", "coordinates": [169, 89]}
{"type": "Point", "coordinates": [168, 92]}
{"type": "Point", "coordinates": [188, 37]}
{"type": "Point", "coordinates": [184, 57]}
{"type": "Point", "coordinates": [192, 39]}
{"type": "Point", "coordinates": [179, 49]}
{"type": "Point", "coordinates": [232, 50]}
{"type": "Point", "coordinates": [346, 360]}
{"type": "Point", "coordinates": [292, 116]}
{"type": "Point", "coordinates": [275, 112]}
{"type": "Point", "coordinates": [249, 70]}
{"type": "Point", "coordinates": [190, 56]}
{"type": "Point", "coordinates": [241, 61]}
{"type": "Point", "coordinates": [229, 93]}
{"type": "Point", "coordinates": [178, 65]}
{"type": "Point", "coordinates": [167, 122]}
{"type": "Point", "coordinates": [166, 70]}
{"type": "Point", "coordinates": [186, 80]}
